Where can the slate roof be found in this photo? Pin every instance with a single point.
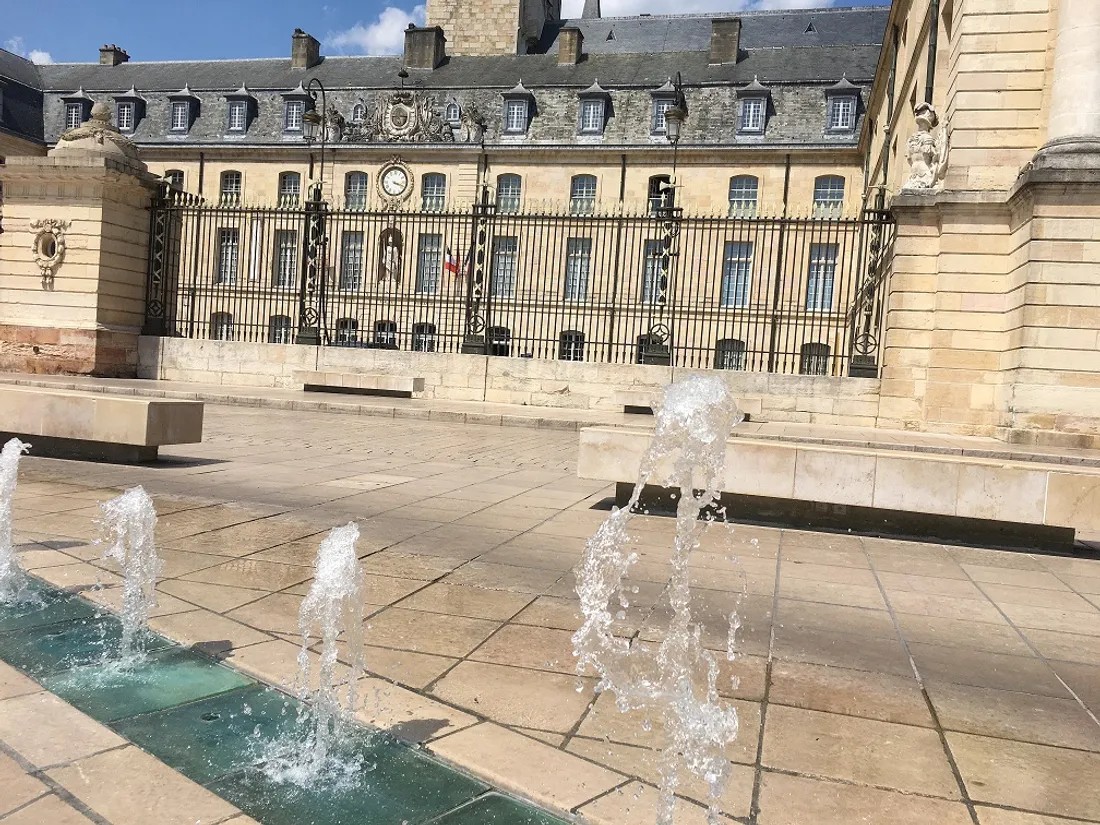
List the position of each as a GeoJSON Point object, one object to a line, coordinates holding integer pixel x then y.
{"type": "Point", "coordinates": [19, 69]}
{"type": "Point", "coordinates": [643, 53]}
{"type": "Point", "coordinates": [22, 105]}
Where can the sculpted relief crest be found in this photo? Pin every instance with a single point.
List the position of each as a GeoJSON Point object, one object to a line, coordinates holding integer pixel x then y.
{"type": "Point", "coordinates": [408, 116]}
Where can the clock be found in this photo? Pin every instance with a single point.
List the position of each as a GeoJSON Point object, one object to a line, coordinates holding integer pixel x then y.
{"type": "Point", "coordinates": [395, 181]}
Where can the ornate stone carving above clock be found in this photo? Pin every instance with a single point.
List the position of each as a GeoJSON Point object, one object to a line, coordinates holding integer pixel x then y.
{"type": "Point", "coordinates": [408, 116]}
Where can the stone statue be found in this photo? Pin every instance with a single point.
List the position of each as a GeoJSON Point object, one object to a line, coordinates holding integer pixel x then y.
{"type": "Point", "coordinates": [926, 153]}
{"type": "Point", "coordinates": [97, 135]}
{"type": "Point", "coordinates": [471, 126]}
{"type": "Point", "coordinates": [334, 126]}
{"type": "Point", "coordinates": [389, 270]}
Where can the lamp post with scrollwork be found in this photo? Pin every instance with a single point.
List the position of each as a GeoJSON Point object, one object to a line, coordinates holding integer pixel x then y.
{"type": "Point", "coordinates": [657, 347]}
{"type": "Point", "coordinates": [311, 295]}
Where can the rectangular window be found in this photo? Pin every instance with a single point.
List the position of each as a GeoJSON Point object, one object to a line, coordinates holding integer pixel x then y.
{"type": "Point", "coordinates": [509, 193]}
{"type": "Point", "coordinates": [181, 115]}
{"type": "Point", "coordinates": [292, 119]}
{"type": "Point", "coordinates": [752, 114]}
{"type": "Point", "coordinates": [238, 115]}
{"type": "Point", "coordinates": [582, 195]}
{"type": "Point", "coordinates": [175, 178]}
{"type": "Point", "coordinates": [744, 191]}
{"type": "Point", "coordinates": [434, 192]}
{"type": "Point", "coordinates": [356, 195]}
{"type": "Point", "coordinates": [278, 330]}
{"type": "Point", "coordinates": [736, 274]}
{"type": "Point", "coordinates": [660, 106]}
{"type": "Point", "coordinates": [286, 258]}
{"type": "Point", "coordinates": [229, 247]}
{"type": "Point", "coordinates": [74, 115]}
{"type": "Point", "coordinates": [290, 189]}
{"type": "Point", "coordinates": [842, 113]}
{"type": "Point", "coordinates": [347, 331]}
{"type": "Point", "coordinates": [819, 284]}
{"type": "Point", "coordinates": [221, 326]}
{"type": "Point", "coordinates": [729, 354]}
{"type": "Point", "coordinates": [351, 260]}
{"type": "Point", "coordinates": [578, 264]}
{"type": "Point", "coordinates": [592, 116]}
{"type": "Point", "coordinates": [231, 188]}
{"type": "Point", "coordinates": [651, 270]}
{"type": "Point", "coordinates": [429, 263]}
{"type": "Point", "coordinates": [423, 338]}
{"type": "Point", "coordinates": [124, 116]}
{"type": "Point", "coordinates": [515, 116]}
{"type": "Point", "coordinates": [828, 196]}
{"type": "Point", "coordinates": [571, 346]}
{"type": "Point", "coordinates": [504, 267]}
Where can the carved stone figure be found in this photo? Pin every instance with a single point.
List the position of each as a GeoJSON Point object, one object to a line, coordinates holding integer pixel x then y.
{"type": "Point", "coordinates": [334, 126]}
{"type": "Point", "coordinates": [98, 135]}
{"type": "Point", "coordinates": [389, 258]}
{"type": "Point", "coordinates": [926, 153]}
{"type": "Point", "coordinates": [408, 116]}
{"type": "Point", "coordinates": [471, 126]}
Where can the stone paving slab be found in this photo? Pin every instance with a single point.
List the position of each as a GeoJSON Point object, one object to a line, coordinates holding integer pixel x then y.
{"type": "Point", "coordinates": [883, 681]}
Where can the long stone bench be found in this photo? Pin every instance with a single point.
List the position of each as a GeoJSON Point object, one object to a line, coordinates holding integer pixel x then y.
{"type": "Point", "coordinates": [643, 400]}
{"type": "Point", "coordinates": [363, 383]}
{"type": "Point", "coordinates": [72, 424]}
{"type": "Point", "coordinates": [894, 490]}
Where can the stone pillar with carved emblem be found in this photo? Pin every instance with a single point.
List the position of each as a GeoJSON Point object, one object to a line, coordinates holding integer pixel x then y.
{"type": "Point", "coordinates": [73, 254]}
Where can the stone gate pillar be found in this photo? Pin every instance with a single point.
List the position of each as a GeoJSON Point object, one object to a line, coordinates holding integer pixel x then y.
{"type": "Point", "coordinates": [73, 254]}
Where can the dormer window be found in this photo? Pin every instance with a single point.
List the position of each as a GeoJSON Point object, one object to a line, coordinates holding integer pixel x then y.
{"type": "Point", "coordinates": [129, 109]}
{"type": "Point", "coordinates": [181, 112]}
{"type": "Point", "coordinates": [841, 106]}
{"type": "Point", "coordinates": [517, 110]}
{"type": "Point", "coordinates": [294, 109]}
{"type": "Point", "coordinates": [593, 110]}
{"type": "Point", "coordinates": [664, 98]}
{"type": "Point", "coordinates": [238, 115]}
{"type": "Point", "coordinates": [241, 106]}
{"type": "Point", "coordinates": [358, 113]}
{"type": "Point", "coordinates": [752, 118]}
{"type": "Point", "coordinates": [453, 113]}
{"type": "Point", "coordinates": [78, 107]}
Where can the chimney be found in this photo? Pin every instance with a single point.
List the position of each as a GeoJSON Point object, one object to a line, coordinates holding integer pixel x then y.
{"type": "Point", "coordinates": [112, 55]}
{"type": "Point", "coordinates": [725, 40]}
{"type": "Point", "coordinates": [570, 41]}
{"type": "Point", "coordinates": [305, 50]}
{"type": "Point", "coordinates": [591, 10]}
{"type": "Point", "coordinates": [425, 48]}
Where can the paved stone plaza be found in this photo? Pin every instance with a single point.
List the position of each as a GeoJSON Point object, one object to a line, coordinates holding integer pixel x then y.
{"type": "Point", "coordinates": [880, 681]}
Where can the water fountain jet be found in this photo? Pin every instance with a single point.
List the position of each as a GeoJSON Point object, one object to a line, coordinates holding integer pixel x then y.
{"type": "Point", "coordinates": [12, 578]}
{"type": "Point", "coordinates": [129, 522]}
{"type": "Point", "coordinates": [677, 681]}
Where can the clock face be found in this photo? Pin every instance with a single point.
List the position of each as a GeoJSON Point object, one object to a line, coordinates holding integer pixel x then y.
{"type": "Point", "coordinates": [394, 181]}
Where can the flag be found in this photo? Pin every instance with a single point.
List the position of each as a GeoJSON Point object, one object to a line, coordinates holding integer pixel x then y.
{"type": "Point", "coordinates": [450, 263]}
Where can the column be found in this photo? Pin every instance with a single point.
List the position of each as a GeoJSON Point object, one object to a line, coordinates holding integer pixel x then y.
{"type": "Point", "coordinates": [1075, 93]}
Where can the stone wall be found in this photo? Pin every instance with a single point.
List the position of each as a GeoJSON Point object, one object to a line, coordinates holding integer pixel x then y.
{"type": "Point", "coordinates": [578, 385]}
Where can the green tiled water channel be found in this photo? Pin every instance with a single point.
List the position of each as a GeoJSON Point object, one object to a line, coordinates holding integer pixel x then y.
{"type": "Point", "coordinates": [204, 719]}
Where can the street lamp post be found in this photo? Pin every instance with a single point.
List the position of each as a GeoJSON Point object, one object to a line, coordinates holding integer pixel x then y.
{"type": "Point", "coordinates": [657, 348]}
{"type": "Point", "coordinates": [312, 326]}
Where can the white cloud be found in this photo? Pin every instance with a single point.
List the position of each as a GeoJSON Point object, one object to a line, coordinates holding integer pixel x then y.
{"type": "Point", "coordinates": [15, 46]}
{"type": "Point", "coordinates": [626, 8]}
{"type": "Point", "coordinates": [386, 35]}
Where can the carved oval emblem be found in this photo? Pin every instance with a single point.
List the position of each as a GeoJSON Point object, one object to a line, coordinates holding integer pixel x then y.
{"type": "Point", "coordinates": [48, 246]}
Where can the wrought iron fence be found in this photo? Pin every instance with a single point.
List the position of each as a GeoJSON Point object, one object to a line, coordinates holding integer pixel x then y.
{"type": "Point", "coordinates": [775, 294]}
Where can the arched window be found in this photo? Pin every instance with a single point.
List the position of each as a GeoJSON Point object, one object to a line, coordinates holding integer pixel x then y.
{"type": "Point", "coordinates": [278, 329]}
{"type": "Point", "coordinates": [828, 196]}
{"type": "Point", "coordinates": [221, 326]}
{"type": "Point", "coordinates": [582, 195]}
{"type": "Point", "coordinates": [290, 189]}
{"type": "Point", "coordinates": [729, 354]}
{"type": "Point", "coordinates": [356, 190]}
{"type": "Point", "coordinates": [571, 345]}
{"type": "Point", "coordinates": [347, 332]}
{"type": "Point", "coordinates": [509, 193]}
{"type": "Point", "coordinates": [744, 191]}
{"type": "Point", "coordinates": [433, 191]}
{"type": "Point", "coordinates": [453, 113]}
{"type": "Point", "coordinates": [385, 334]}
{"type": "Point", "coordinates": [358, 113]}
{"type": "Point", "coordinates": [230, 188]}
{"type": "Point", "coordinates": [423, 337]}
{"type": "Point", "coordinates": [814, 359]}
{"type": "Point", "coordinates": [499, 340]}
{"type": "Point", "coordinates": [660, 192]}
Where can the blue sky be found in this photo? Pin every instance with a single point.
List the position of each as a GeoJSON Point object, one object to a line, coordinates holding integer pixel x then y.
{"type": "Point", "coordinates": [70, 31]}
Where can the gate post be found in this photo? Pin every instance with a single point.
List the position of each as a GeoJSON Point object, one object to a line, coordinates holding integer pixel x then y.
{"type": "Point", "coordinates": [474, 340]}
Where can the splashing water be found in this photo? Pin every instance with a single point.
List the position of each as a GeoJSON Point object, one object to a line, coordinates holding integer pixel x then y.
{"type": "Point", "coordinates": [129, 522]}
{"type": "Point", "coordinates": [678, 681]}
{"type": "Point", "coordinates": [12, 578]}
{"type": "Point", "coordinates": [333, 606]}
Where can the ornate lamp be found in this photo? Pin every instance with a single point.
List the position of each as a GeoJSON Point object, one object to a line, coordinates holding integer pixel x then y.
{"type": "Point", "coordinates": [674, 120]}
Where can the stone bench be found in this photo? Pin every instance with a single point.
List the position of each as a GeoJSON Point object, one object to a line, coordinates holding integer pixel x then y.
{"type": "Point", "coordinates": [73, 424]}
{"type": "Point", "coordinates": [362, 383]}
{"type": "Point", "coordinates": [904, 491]}
{"type": "Point", "coordinates": [642, 400]}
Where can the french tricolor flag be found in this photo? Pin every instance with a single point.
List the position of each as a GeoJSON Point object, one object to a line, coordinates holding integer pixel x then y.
{"type": "Point", "coordinates": [450, 263]}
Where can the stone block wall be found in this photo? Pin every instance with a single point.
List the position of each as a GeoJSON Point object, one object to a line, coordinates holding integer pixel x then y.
{"type": "Point", "coordinates": [456, 377]}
